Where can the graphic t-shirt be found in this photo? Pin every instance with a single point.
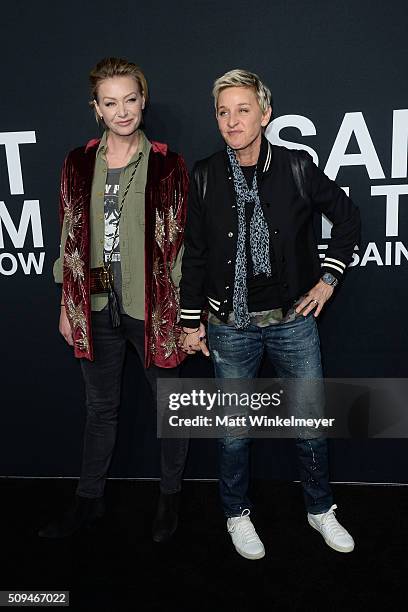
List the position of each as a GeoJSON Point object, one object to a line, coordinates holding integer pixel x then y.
{"type": "Point", "coordinates": [111, 210]}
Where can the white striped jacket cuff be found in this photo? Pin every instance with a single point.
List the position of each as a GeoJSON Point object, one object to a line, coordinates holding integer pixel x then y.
{"type": "Point", "coordinates": [334, 264]}
{"type": "Point", "coordinates": [187, 313]}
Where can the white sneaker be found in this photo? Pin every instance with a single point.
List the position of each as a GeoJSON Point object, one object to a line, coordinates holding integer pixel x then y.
{"type": "Point", "coordinates": [333, 533]}
{"type": "Point", "coordinates": [244, 537]}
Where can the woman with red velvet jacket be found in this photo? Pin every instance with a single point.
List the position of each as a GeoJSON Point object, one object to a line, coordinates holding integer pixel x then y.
{"type": "Point", "coordinates": [122, 210]}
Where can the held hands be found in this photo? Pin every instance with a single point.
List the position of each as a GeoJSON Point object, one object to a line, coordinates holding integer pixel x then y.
{"type": "Point", "coordinates": [65, 328]}
{"type": "Point", "coordinates": [315, 299]}
{"type": "Point", "coordinates": [193, 340]}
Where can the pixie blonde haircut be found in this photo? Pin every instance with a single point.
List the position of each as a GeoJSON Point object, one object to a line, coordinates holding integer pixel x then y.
{"type": "Point", "coordinates": [112, 67]}
{"type": "Point", "coordinates": [243, 78]}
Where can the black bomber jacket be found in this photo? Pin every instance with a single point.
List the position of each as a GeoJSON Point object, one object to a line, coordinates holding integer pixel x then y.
{"type": "Point", "coordinates": [289, 205]}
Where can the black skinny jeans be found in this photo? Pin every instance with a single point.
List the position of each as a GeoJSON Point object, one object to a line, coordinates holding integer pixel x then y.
{"type": "Point", "coordinates": [103, 385]}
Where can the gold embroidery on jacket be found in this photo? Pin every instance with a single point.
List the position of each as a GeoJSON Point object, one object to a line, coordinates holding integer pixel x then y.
{"type": "Point", "coordinates": [77, 321]}
{"type": "Point", "coordinates": [82, 343]}
{"type": "Point", "coordinates": [157, 270]}
{"type": "Point", "coordinates": [169, 344]}
{"type": "Point", "coordinates": [75, 314]}
{"type": "Point", "coordinates": [159, 230]}
{"type": "Point", "coordinates": [173, 227]}
{"type": "Point", "coordinates": [76, 264]}
{"type": "Point", "coordinates": [157, 320]}
{"type": "Point", "coordinates": [72, 220]}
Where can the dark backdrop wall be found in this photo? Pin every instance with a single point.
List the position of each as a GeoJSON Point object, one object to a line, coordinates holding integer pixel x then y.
{"type": "Point", "coordinates": [338, 76]}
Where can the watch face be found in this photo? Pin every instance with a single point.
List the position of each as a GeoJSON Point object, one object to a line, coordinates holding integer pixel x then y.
{"type": "Point", "coordinates": [328, 278]}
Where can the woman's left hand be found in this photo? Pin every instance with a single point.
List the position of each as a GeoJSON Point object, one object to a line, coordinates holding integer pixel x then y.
{"type": "Point", "coordinates": [315, 299]}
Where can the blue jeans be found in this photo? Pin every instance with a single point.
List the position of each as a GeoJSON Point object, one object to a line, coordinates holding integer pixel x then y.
{"type": "Point", "coordinates": [294, 350]}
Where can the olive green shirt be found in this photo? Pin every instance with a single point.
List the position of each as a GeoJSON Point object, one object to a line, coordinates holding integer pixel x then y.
{"type": "Point", "coordinates": [131, 230]}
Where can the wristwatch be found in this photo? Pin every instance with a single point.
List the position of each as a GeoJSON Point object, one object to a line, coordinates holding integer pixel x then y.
{"type": "Point", "coordinates": [329, 279]}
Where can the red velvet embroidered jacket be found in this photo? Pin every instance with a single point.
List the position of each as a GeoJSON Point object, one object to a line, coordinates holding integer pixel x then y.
{"type": "Point", "coordinates": [165, 216]}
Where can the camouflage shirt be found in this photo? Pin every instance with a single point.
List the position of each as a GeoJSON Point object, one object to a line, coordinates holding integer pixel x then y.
{"type": "Point", "coordinates": [263, 318]}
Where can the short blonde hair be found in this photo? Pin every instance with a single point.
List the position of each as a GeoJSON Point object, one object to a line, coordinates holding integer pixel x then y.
{"type": "Point", "coordinates": [243, 78]}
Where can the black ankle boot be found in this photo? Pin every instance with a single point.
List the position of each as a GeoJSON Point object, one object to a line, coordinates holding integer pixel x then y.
{"type": "Point", "coordinates": [165, 523]}
{"type": "Point", "coordinates": [83, 512]}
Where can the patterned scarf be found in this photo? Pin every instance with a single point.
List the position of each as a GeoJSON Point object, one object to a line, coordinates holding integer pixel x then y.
{"type": "Point", "coordinates": [258, 239]}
